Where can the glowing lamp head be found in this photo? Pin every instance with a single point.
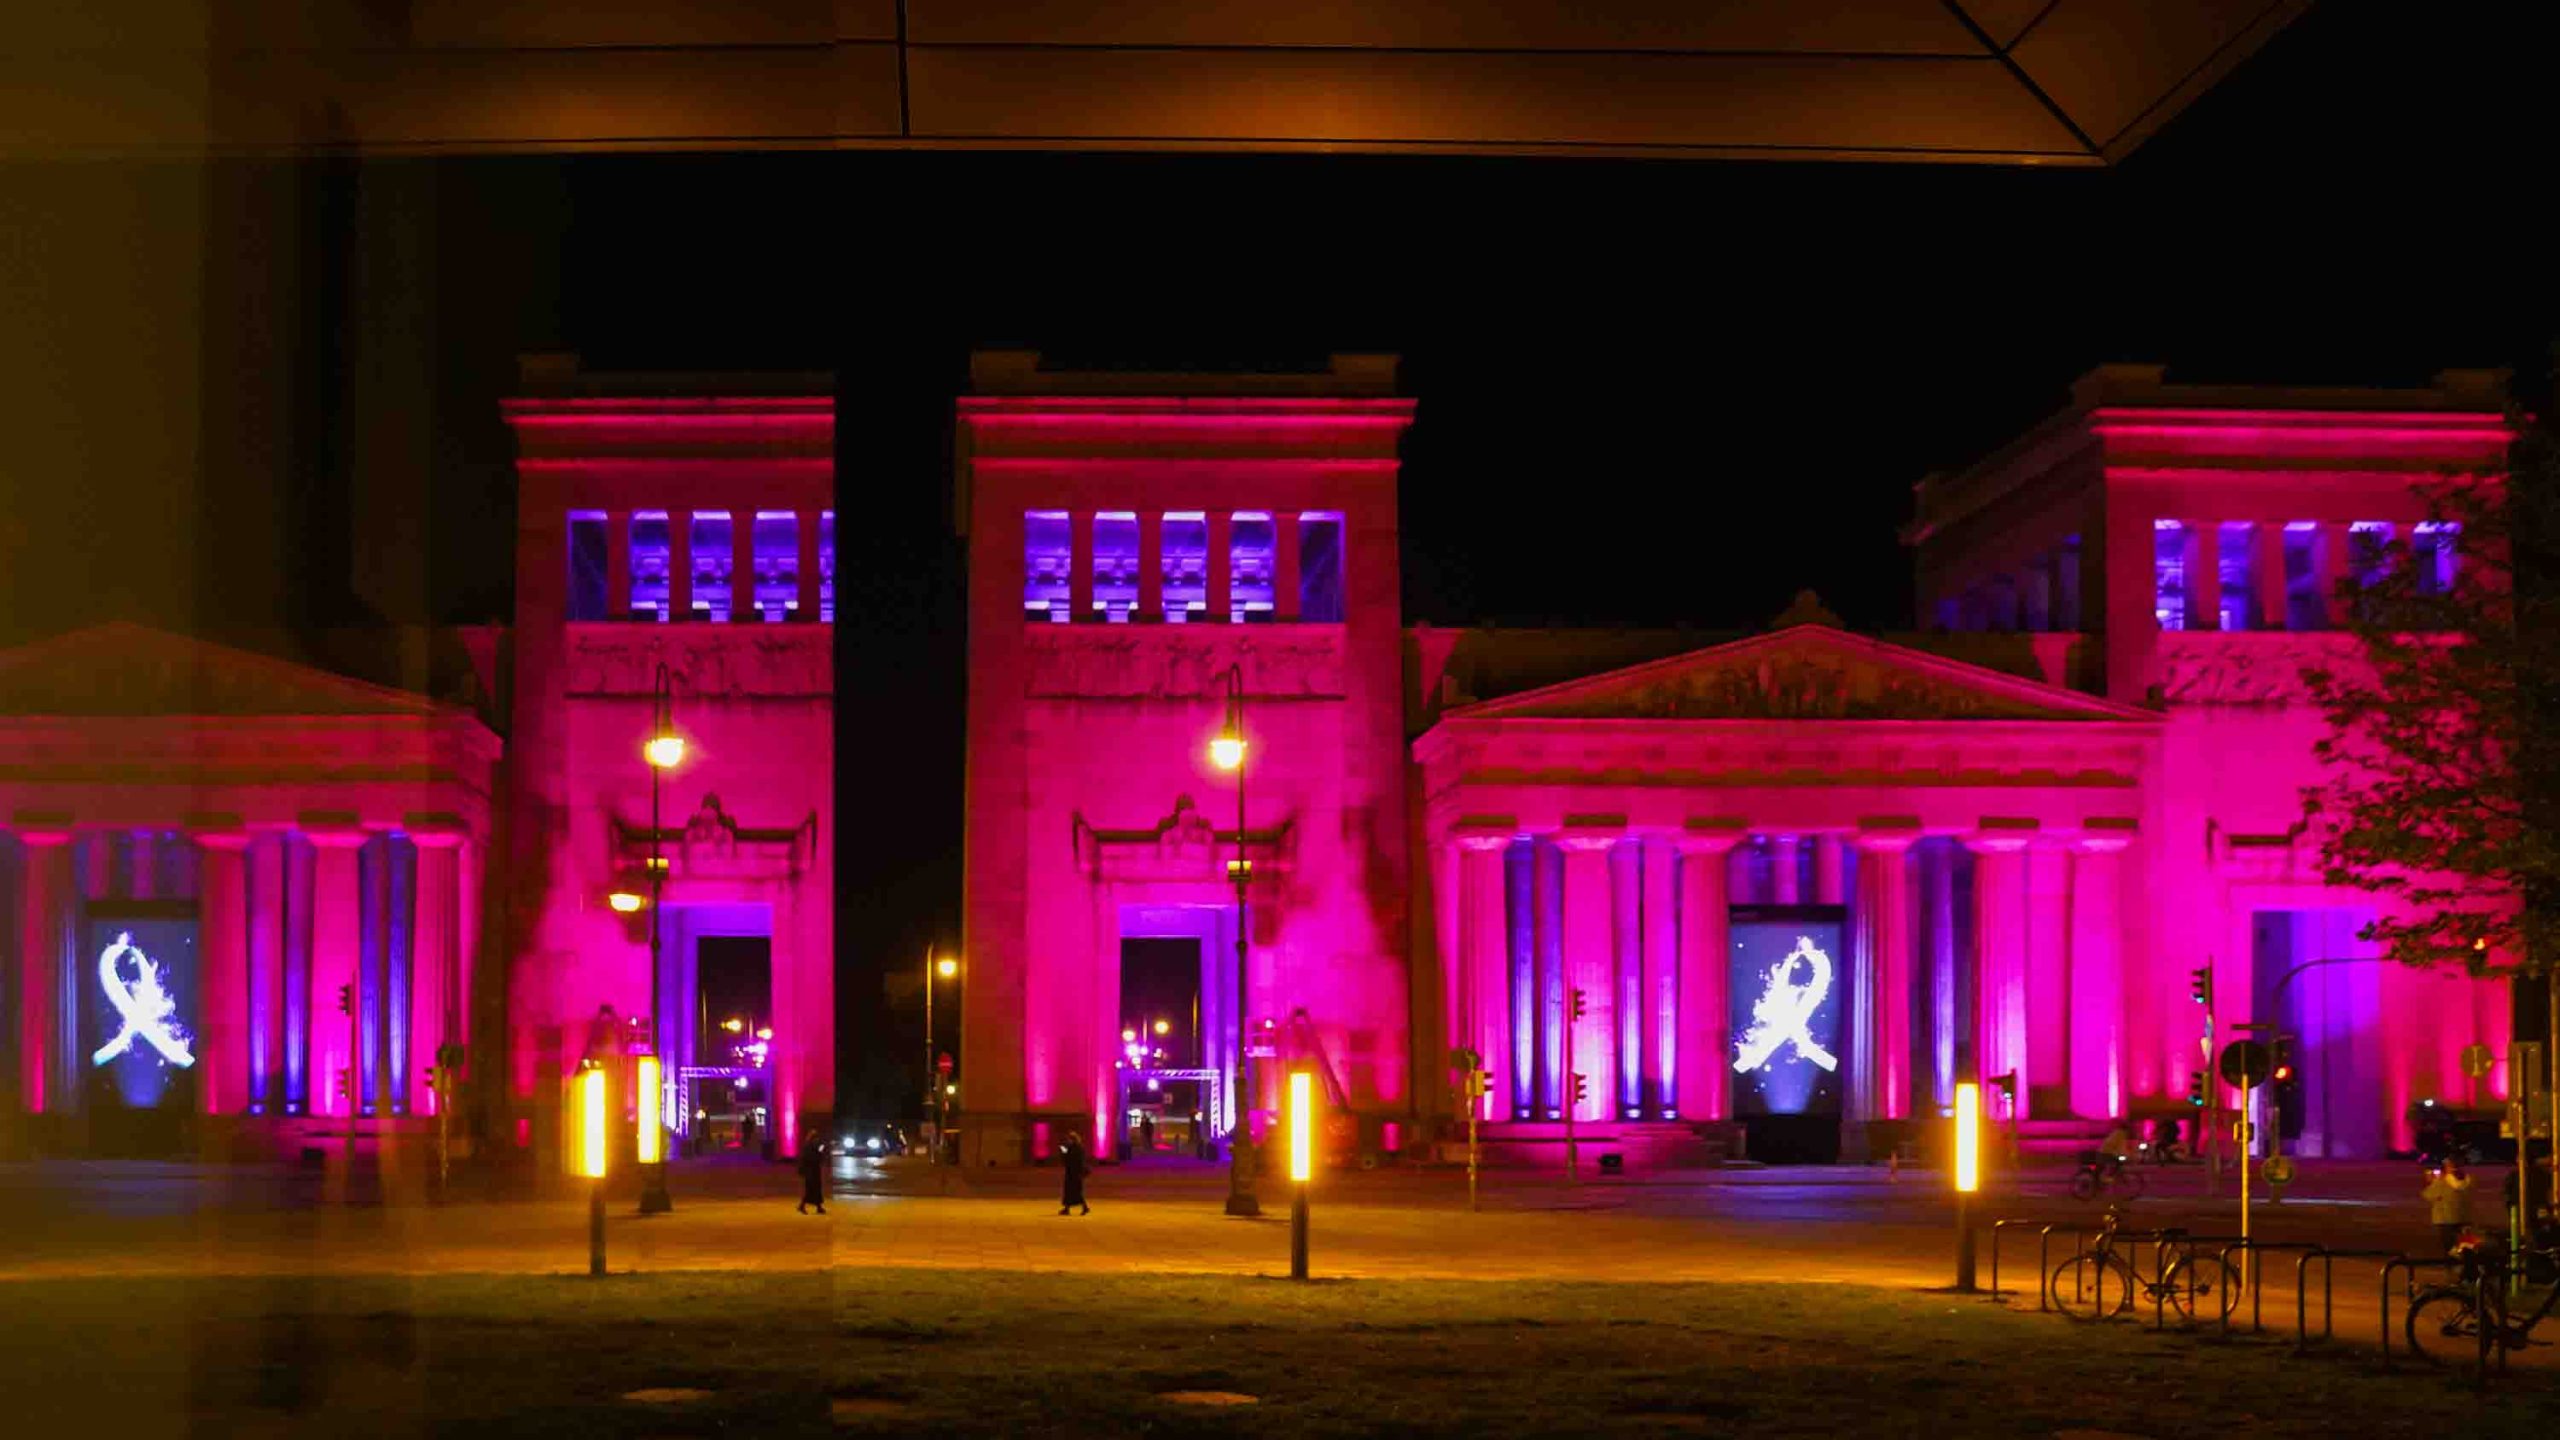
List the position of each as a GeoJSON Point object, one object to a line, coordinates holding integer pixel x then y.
{"type": "Point", "coordinates": [1164, 1027]}
{"type": "Point", "coordinates": [1968, 1157]}
{"type": "Point", "coordinates": [950, 1089]}
{"type": "Point", "coordinates": [651, 1134]}
{"type": "Point", "coordinates": [1228, 749]}
{"type": "Point", "coordinates": [946, 967]}
{"type": "Point", "coordinates": [592, 1146]}
{"type": "Point", "coordinates": [733, 1024]}
{"type": "Point", "coordinates": [665, 750]}
{"type": "Point", "coordinates": [627, 902]}
{"type": "Point", "coordinates": [1302, 1125]}
{"type": "Point", "coordinates": [1128, 1037]}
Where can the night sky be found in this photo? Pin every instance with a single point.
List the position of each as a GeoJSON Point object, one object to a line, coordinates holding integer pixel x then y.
{"type": "Point", "coordinates": [1650, 392]}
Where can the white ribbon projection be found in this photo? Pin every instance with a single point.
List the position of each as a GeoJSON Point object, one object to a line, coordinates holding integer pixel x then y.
{"type": "Point", "coordinates": [144, 1006]}
{"type": "Point", "coordinates": [1783, 1014]}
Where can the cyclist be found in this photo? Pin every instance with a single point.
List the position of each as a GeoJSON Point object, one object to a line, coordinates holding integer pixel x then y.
{"type": "Point", "coordinates": [2448, 1197]}
{"type": "Point", "coordinates": [2118, 1146]}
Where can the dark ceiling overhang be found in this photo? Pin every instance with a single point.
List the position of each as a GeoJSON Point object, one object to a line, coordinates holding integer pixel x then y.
{"type": "Point", "coordinates": [1986, 81]}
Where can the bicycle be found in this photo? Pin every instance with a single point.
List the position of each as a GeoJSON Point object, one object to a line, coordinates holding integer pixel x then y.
{"type": "Point", "coordinates": [2445, 1321]}
{"type": "Point", "coordinates": [2105, 1172]}
{"type": "Point", "coordinates": [2099, 1283]}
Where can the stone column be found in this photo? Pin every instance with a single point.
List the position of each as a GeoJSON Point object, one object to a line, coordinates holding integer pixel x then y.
{"type": "Point", "coordinates": [742, 587]}
{"type": "Point", "coordinates": [1589, 966]}
{"type": "Point", "coordinates": [337, 931]}
{"type": "Point", "coordinates": [2329, 560]}
{"type": "Point", "coordinates": [1080, 568]}
{"type": "Point", "coordinates": [617, 565]}
{"type": "Point", "coordinates": [1702, 1080]}
{"type": "Point", "coordinates": [1150, 567]}
{"type": "Point", "coordinates": [1947, 1030]}
{"type": "Point", "coordinates": [1786, 871]}
{"type": "Point", "coordinates": [2097, 976]}
{"type": "Point", "coordinates": [2267, 570]}
{"type": "Point", "coordinates": [1889, 857]}
{"type": "Point", "coordinates": [1480, 1006]}
{"type": "Point", "coordinates": [43, 1019]}
{"type": "Point", "coordinates": [2204, 579]}
{"type": "Point", "coordinates": [807, 524]}
{"type": "Point", "coordinates": [222, 1053]}
{"type": "Point", "coordinates": [679, 564]}
{"type": "Point", "coordinates": [2000, 953]}
{"type": "Point", "coordinates": [1220, 600]}
{"type": "Point", "coordinates": [2050, 983]}
{"type": "Point", "coordinates": [1829, 885]}
{"type": "Point", "coordinates": [434, 1004]}
{"type": "Point", "coordinates": [1284, 564]}
{"type": "Point", "coordinates": [1661, 977]}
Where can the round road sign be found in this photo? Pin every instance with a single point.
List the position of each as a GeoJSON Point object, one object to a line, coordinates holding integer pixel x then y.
{"type": "Point", "coordinates": [2246, 1064]}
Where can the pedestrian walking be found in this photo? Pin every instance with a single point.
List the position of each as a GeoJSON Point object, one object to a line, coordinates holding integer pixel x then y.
{"type": "Point", "coordinates": [1071, 1165]}
{"type": "Point", "coordinates": [2448, 1197]}
{"type": "Point", "coordinates": [813, 1173]}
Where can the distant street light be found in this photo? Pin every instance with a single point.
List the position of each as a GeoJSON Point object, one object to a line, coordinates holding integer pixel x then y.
{"type": "Point", "coordinates": [664, 750]}
{"type": "Point", "coordinates": [1227, 752]}
{"type": "Point", "coordinates": [936, 1095]}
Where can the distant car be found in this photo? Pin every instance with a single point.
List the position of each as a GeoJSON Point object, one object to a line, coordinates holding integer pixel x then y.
{"type": "Point", "coordinates": [875, 1139]}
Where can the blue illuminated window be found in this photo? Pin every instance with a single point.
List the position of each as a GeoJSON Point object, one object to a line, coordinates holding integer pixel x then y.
{"type": "Point", "coordinates": [587, 566]}
{"type": "Point", "coordinates": [1185, 562]}
{"type": "Point", "coordinates": [2431, 546]}
{"type": "Point", "coordinates": [2169, 553]}
{"type": "Point", "coordinates": [2236, 560]}
{"type": "Point", "coordinates": [827, 566]}
{"type": "Point", "coordinates": [1115, 565]}
{"type": "Point", "coordinates": [1320, 569]}
{"type": "Point", "coordinates": [775, 547]}
{"type": "Point", "coordinates": [1048, 553]}
{"type": "Point", "coordinates": [714, 561]}
{"type": "Point", "coordinates": [1249, 561]}
{"type": "Point", "coordinates": [2306, 606]}
{"type": "Point", "coordinates": [649, 565]}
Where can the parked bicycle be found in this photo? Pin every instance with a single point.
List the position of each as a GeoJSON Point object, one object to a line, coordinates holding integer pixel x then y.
{"type": "Point", "coordinates": [2105, 1279]}
{"type": "Point", "coordinates": [2470, 1318]}
{"type": "Point", "coordinates": [2108, 1173]}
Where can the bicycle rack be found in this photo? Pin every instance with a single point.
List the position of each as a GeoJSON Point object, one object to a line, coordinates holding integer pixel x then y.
{"type": "Point", "coordinates": [2328, 1290]}
{"type": "Point", "coordinates": [2186, 1243]}
{"type": "Point", "coordinates": [2044, 1240]}
{"type": "Point", "coordinates": [2257, 1277]}
{"type": "Point", "coordinates": [2126, 1242]}
{"type": "Point", "coordinates": [2408, 1291]}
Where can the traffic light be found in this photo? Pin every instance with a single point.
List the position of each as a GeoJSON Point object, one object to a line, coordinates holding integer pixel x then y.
{"type": "Point", "coordinates": [2195, 1089]}
{"type": "Point", "coordinates": [2283, 1070]}
{"type": "Point", "coordinates": [1581, 1082]}
{"type": "Point", "coordinates": [2200, 985]}
{"type": "Point", "coordinates": [1580, 1002]}
{"type": "Point", "coordinates": [346, 999]}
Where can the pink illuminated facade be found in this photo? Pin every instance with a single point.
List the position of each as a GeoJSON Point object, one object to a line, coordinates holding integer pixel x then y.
{"type": "Point", "coordinates": [1999, 847]}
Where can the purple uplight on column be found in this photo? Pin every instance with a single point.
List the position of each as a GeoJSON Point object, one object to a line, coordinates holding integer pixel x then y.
{"type": "Point", "coordinates": [1626, 886]}
{"type": "Point", "coordinates": [1519, 873]}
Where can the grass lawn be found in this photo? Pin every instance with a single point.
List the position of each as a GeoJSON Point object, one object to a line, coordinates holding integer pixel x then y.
{"type": "Point", "coordinates": [990, 1353]}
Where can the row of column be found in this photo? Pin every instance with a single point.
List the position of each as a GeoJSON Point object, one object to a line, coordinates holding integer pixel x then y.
{"type": "Point", "coordinates": [2267, 578]}
{"type": "Point", "coordinates": [742, 563]}
{"type": "Point", "coordinates": [2037, 992]}
{"type": "Point", "coordinates": [247, 1017]}
{"type": "Point", "coordinates": [1218, 602]}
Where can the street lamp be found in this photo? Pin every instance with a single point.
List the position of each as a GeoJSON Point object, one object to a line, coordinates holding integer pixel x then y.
{"type": "Point", "coordinates": [1227, 752]}
{"type": "Point", "coordinates": [593, 1152]}
{"type": "Point", "coordinates": [936, 1094]}
{"type": "Point", "coordinates": [664, 750]}
{"type": "Point", "coordinates": [1966, 1171]}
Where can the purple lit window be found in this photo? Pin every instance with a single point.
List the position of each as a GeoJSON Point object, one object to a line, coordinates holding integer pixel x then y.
{"type": "Point", "coordinates": [776, 549]}
{"type": "Point", "coordinates": [2035, 595]}
{"type": "Point", "coordinates": [1249, 557]}
{"type": "Point", "coordinates": [714, 561]}
{"type": "Point", "coordinates": [649, 564]}
{"type": "Point", "coordinates": [2066, 585]}
{"type": "Point", "coordinates": [1949, 614]}
{"type": "Point", "coordinates": [2306, 607]}
{"type": "Point", "coordinates": [1115, 564]}
{"type": "Point", "coordinates": [2431, 546]}
{"type": "Point", "coordinates": [2169, 553]}
{"type": "Point", "coordinates": [587, 566]}
{"type": "Point", "coordinates": [1185, 562]}
{"type": "Point", "coordinates": [2001, 595]}
{"type": "Point", "coordinates": [2235, 560]}
{"type": "Point", "coordinates": [827, 566]}
{"type": "Point", "coordinates": [1048, 553]}
{"type": "Point", "coordinates": [1320, 569]}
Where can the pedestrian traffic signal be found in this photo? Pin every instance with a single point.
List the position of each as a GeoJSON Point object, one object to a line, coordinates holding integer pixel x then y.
{"type": "Point", "coordinates": [2200, 985]}
{"type": "Point", "coordinates": [1580, 1002]}
{"type": "Point", "coordinates": [346, 999]}
{"type": "Point", "coordinates": [2195, 1089]}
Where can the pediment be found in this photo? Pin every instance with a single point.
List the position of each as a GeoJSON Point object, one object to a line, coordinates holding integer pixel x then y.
{"type": "Point", "coordinates": [1804, 672]}
{"type": "Point", "coordinates": [124, 670]}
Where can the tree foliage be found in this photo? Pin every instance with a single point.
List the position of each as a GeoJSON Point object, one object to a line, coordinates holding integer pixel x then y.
{"type": "Point", "coordinates": [2441, 744]}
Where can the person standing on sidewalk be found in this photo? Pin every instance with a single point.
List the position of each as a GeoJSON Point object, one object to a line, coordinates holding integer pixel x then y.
{"type": "Point", "coordinates": [2448, 1197]}
{"type": "Point", "coordinates": [1071, 1165]}
{"type": "Point", "coordinates": [813, 1173]}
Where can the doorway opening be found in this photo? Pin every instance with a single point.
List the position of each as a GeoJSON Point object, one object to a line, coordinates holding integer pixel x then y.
{"type": "Point", "coordinates": [716, 1029]}
{"type": "Point", "coordinates": [1164, 1097]}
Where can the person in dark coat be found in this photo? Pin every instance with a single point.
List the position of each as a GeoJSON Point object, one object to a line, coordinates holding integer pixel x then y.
{"type": "Point", "coordinates": [1071, 1165]}
{"type": "Point", "coordinates": [813, 1173]}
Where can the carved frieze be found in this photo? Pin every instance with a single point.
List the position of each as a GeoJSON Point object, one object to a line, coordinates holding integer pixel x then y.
{"type": "Point", "coordinates": [1171, 662]}
{"type": "Point", "coordinates": [737, 661]}
{"type": "Point", "coordinates": [2260, 668]}
{"type": "Point", "coordinates": [1793, 687]}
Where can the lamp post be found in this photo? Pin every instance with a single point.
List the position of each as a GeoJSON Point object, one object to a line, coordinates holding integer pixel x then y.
{"type": "Point", "coordinates": [1302, 1165]}
{"type": "Point", "coordinates": [935, 1092]}
{"type": "Point", "coordinates": [593, 1152]}
{"type": "Point", "coordinates": [1967, 1174]}
{"type": "Point", "coordinates": [664, 750]}
{"type": "Point", "coordinates": [1227, 750]}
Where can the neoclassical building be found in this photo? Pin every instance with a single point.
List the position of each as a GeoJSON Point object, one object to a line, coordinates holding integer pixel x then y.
{"type": "Point", "coordinates": [1773, 893]}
